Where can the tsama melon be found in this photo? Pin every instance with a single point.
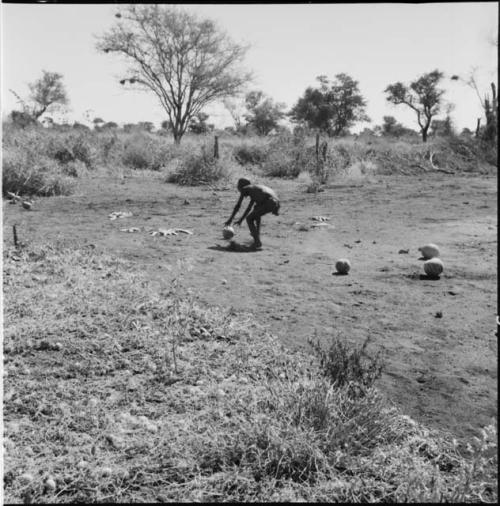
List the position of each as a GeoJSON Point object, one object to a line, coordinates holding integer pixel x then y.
{"type": "Point", "coordinates": [433, 267]}
{"type": "Point", "coordinates": [228, 232]}
{"type": "Point", "coordinates": [429, 251]}
{"type": "Point", "coordinates": [343, 266]}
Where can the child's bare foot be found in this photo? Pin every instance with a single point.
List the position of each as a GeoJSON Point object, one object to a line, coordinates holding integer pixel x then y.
{"type": "Point", "coordinates": [257, 245]}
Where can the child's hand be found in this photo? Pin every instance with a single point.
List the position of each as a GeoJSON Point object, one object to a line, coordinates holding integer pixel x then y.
{"type": "Point", "coordinates": [238, 223]}
{"type": "Point", "coordinates": [228, 222]}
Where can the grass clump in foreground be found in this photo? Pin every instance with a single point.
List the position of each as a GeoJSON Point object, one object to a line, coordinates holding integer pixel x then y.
{"type": "Point", "coordinates": [150, 396]}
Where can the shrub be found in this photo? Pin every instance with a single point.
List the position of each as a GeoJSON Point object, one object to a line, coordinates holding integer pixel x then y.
{"type": "Point", "coordinates": [199, 169]}
{"type": "Point", "coordinates": [280, 164]}
{"type": "Point", "coordinates": [25, 175]}
{"type": "Point", "coordinates": [342, 365]}
{"type": "Point", "coordinates": [145, 152]}
{"type": "Point", "coordinates": [250, 153]}
{"type": "Point", "coordinates": [71, 147]}
{"type": "Point", "coordinates": [287, 157]}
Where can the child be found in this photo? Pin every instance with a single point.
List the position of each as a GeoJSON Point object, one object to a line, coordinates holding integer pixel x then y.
{"type": "Point", "coordinates": [265, 200]}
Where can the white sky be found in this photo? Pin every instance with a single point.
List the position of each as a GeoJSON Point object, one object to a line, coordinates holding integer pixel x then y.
{"type": "Point", "coordinates": [377, 44]}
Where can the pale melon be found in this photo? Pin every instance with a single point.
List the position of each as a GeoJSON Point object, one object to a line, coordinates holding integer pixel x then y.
{"type": "Point", "coordinates": [429, 251]}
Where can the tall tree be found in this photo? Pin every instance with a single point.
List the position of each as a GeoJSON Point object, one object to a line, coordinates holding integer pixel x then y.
{"type": "Point", "coordinates": [422, 95]}
{"type": "Point", "coordinates": [46, 94]}
{"type": "Point", "coordinates": [263, 113]}
{"type": "Point", "coordinates": [187, 62]}
{"type": "Point", "coordinates": [333, 107]}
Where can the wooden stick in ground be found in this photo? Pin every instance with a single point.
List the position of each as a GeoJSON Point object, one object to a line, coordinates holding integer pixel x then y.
{"type": "Point", "coordinates": [14, 231]}
{"type": "Point", "coordinates": [216, 147]}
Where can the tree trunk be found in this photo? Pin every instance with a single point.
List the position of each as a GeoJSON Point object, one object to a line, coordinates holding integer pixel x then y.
{"type": "Point", "coordinates": [178, 133]}
{"type": "Point", "coordinates": [424, 134]}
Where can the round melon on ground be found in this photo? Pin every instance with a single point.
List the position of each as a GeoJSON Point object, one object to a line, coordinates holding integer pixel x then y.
{"type": "Point", "coordinates": [429, 251]}
{"type": "Point", "coordinates": [228, 232]}
{"type": "Point", "coordinates": [343, 266]}
{"type": "Point", "coordinates": [433, 267]}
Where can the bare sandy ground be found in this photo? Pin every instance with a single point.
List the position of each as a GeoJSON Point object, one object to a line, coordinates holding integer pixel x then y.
{"type": "Point", "coordinates": [440, 370]}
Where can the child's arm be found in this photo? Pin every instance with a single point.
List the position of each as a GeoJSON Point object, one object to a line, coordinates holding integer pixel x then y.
{"type": "Point", "coordinates": [247, 210]}
{"type": "Point", "coordinates": [236, 209]}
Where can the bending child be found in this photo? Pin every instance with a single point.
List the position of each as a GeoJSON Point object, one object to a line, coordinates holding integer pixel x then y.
{"type": "Point", "coordinates": [265, 200]}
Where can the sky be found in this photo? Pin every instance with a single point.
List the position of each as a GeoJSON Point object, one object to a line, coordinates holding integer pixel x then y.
{"type": "Point", "coordinates": [290, 45]}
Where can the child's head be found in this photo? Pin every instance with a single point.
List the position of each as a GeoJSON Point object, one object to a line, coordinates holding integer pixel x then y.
{"type": "Point", "coordinates": [242, 182]}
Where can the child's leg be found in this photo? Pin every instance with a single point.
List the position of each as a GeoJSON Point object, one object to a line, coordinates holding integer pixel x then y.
{"type": "Point", "coordinates": [254, 231]}
{"type": "Point", "coordinates": [253, 220]}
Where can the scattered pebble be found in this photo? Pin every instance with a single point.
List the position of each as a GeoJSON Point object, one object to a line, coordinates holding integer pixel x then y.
{"type": "Point", "coordinates": [439, 314]}
{"type": "Point", "coordinates": [403, 251]}
{"type": "Point", "coordinates": [114, 441]}
{"type": "Point", "coordinates": [50, 484]}
{"type": "Point", "coordinates": [82, 464]}
{"type": "Point", "coordinates": [26, 478]}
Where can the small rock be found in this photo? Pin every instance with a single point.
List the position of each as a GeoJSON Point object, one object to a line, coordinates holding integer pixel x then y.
{"type": "Point", "coordinates": [50, 484]}
{"type": "Point", "coordinates": [224, 281]}
{"type": "Point", "coordinates": [114, 441]}
{"type": "Point", "coordinates": [132, 384]}
{"type": "Point", "coordinates": [82, 464]}
{"type": "Point", "coordinates": [403, 251]}
{"type": "Point", "coordinates": [7, 396]}
{"type": "Point", "coordinates": [26, 478]}
{"type": "Point", "coordinates": [439, 314]}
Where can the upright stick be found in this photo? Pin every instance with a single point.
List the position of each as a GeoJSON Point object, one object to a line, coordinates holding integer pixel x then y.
{"type": "Point", "coordinates": [14, 231]}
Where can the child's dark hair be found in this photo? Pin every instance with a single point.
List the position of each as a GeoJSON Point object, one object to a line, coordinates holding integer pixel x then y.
{"type": "Point", "coordinates": [242, 182]}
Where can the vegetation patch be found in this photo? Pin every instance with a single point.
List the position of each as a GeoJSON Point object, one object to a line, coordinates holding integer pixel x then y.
{"type": "Point", "coordinates": [151, 396]}
{"type": "Point", "coordinates": [146, 152]}
{"type": "Point", "coordinates": [199, 169]}
{"type": "Point", "coordinates": [253, 154]}
{"type": "Point", "coordinates": [25, 173]}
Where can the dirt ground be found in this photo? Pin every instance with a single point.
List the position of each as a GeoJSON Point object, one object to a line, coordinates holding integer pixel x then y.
{"type": "Point", "coordinates": [440, 370]}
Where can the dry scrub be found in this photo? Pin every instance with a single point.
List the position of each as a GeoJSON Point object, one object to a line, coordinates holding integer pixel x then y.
{"type": "Point", "coordinates": [122, 389]}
